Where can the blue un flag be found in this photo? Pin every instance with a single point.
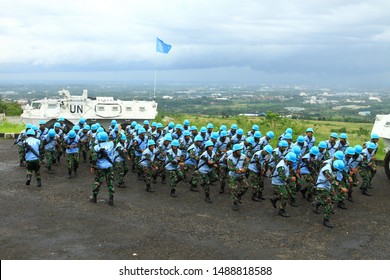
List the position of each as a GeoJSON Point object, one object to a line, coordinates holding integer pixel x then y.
{"type": "Point", "coordinates": [162, 47]}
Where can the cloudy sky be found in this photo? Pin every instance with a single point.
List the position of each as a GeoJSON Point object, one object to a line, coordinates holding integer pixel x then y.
{"type": "Point", "coordinates": [262, 41]}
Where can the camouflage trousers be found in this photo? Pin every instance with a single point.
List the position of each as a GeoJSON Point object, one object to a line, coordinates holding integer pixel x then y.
{"type": "Point", "coordinates": [137, 165]}
{"type": "Point", "coordinates": [206, 179]}
{"type": "Point", "coordinates": [100, 175]}
{"type": "Point", "coordinates": [120, 171]}
{"type": "Point", "coordinates": [310, 182]}
{"type": "Point", "coordinates": [73, 162]}
{"type": "Point", "coordinates": [325, 198]}
{"type": "Point", "coordinates": [366, 174]}
{"type": "Point", "coordinates": [192, 170]}
{"type": "Point", "coordinates": [338, 194]}
{"type": "Point", "coordinates": [50, 156]}
{"type": "Point", "coordinates": [21, 154]}
{"type": "Point", "coordinates": [281, 192]}
{"type": "Point", "coordinates": [83, 148]}
{"type": "Point", "coordinates": [238, 187]}
{"type": "Point", "coordinates": [223, 174]}
{"type": "Point", "coordinates": [256, 181]}
{"type": "Point", "coordinates": [149, 173]}
{"type": "Point", "coordinates": [34, 166]}
{"type": "Point", "coordinates": [175, 177]}
{"type": "Point", "coordinates": [160, 164]}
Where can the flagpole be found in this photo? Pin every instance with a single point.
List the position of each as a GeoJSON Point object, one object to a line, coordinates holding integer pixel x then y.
{"type": "Point", "coordinates": [155, 80]}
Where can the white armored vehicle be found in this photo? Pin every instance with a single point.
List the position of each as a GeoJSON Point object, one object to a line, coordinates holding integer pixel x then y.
{"type": "Point", "coordinates": [99, 109]}
{"type": "Point", "coordinates": [382, 128]}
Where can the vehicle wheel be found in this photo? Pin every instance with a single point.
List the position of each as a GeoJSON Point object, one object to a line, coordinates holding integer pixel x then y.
{"type": "Point", "coordinates": [387, 164]}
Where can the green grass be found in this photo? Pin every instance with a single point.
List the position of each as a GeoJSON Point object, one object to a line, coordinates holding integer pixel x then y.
{"type": "Point", "coordinates": [8, 127]}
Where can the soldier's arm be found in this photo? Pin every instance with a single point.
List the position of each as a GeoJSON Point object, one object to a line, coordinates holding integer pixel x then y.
{"type": "Point", "coordinates": [231, 166]}
{"type": "Point", "coordinates": [281, 173]}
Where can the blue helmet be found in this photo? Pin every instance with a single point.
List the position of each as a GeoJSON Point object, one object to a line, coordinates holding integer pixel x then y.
{"type": "Point", "coordinates": [223, 133]}
{"type": "Point", "coordinates": [289, 130]}
{"type": "Point", "coordinates": [255, 127]}
{"type": "Point", "coordinates": [87, 127]}
{"type": "Point", "coordinates": [41, 122]}
{"type": "Point", "coordinates": [358, 149]}
{"type": "Point", "coordinates": [146, 122]}
{"type": "Point", "coordinates": [234, 126]}
{"type": "Point", "coordinates": [100, 129]}
{"type": "Point", "coordinates": [186, 122]}
{"type": "Point", "coordinates": [151, 143]}
{"type": "Point", "coordinates": [237, 147]}
{"type": "Point", "coordinates": [210, 125]}
{"type": "Point", "coordinates": [159, 125]}
{"type": "Point", "coordinates": [350, 151]}
{"type": "Point", "coordinates": [214, 135]}
{"type": "Point", "coordinates": [123, 137]}
{"type": "Point", "coordinates": [141, 130]}
{"type": "Point", "coordinates": [103, 136]}
{"type": "Point", "coordinates": [51, 133]}
{"type": "Point", "coordinates": [208, 144]}
{"type": "Point", "coordinates": [175, 143]}
{"type": "Point", "coordinates": [154, 124]}
{"type": "Point", "coordinates": [291, 157]}
{"type": "Point", "coordinates": [82, 121]}
{"type": "Point", "coordinates": [116, 127]}
{"type": "Point", "coordinates": [76, 127]}
{"type": "Point", "coordinates": [168, 137]}
{"type": "Point", "coordinates": [283, 143]}
{"type": "Point", "coordinates": [309, 130]}
{"type": "Point", "coordinates": [30, 132]}
{"type": "Point", "coordinates": [171, 124]}
{"type": "Point", "coordinates": [314, 150]}
{"type": "Point", "coordinates": [371, 146]}
{"type": "Point", "coordinates": [34, 127]}
{"type": "Point", "coordinates": [223, 127]}
{"type": "Point", "coordinates": [133, 123]}
{"type": "Point", "coordinates": [61, 119]}
{"type": "Point", "coordinates": [301, 139]}
{"type": "Point", "coordinates": [339, 165]}
{"type": "Point", "coordinates": [268, 149]}
{"type": "Point", "coordinates": [193, 128]}
{"type": "Point", "coordinates": [72, 134]}
{"type": "Point", "coordinates": [198, 138]}
{"type": "Point", "coordinates": [334, 135]}
{"type": "Point", "coordinates": [98, 125]}
{"type": "Point", "coordinates": [343, 136]}
{"type": "Point", "coordinates": [250, 140]}
{"type": "Point", "coordinates": [296, 150]}
{"type": "Point", "coordinates": [186, 133]}
{"type": "Point", "coordinates": [374, 136]}
{"type": "Point", "coordinates": [287, 136]}
{"type": "Point", "coordinates": [203, 129]}
{"type": "Point", "coordinates": [240, 131]}
{"type": "Point", "coordinates": [179, 126]}
{"type": "Point", "coordinates": [29, 125]}
{"type": "Point", "coordinates": [322, 145]}
{"type": "Point", "coordinates": [270, 134]}
{"type": "Point", "coordinates": [339, 155]}
{"type": "Point", "coordinates": [113, 122]}
{"type": "Point", "coordinates": [57, 124]}
{"type": "Point", "coordinates": [257, 134]}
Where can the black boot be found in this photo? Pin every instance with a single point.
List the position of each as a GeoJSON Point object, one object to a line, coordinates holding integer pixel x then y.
{"type": "Point", "coordinates": [303, 192]}
{"type": "Point", "coordinates": [21, 163]}
{"type": "Point", "coordinates": [364, 192]}
{"type": "Point", "coordinates": [309, 197]}
{"type": "Point", "coordinates": [39, 183]}
{"type": "Point", "coordinates": [75, 172]}
{"type": "Point", "coordinates": [350, 196]}
{"type": "Point", "coordinates": [341, 205]}
{"type": "Point", "coordinates": [273, 201]}
{"type": "Point", "coordinates": [154, 180]}
{"type": "Point", "coordinates": [111, 200]}
{"type": "Point", "coordinates": [222, 189]}
{"type": "Point", "coordinates": [163, 180]}
{"type": "Point", "coordinates": [148, 188]}
{"type": "Point", "coordinates": [28, 180]}
{"type": "Point", "coordinates": [208, 199]}
{"type": "Point", "coordinates": [69, 174]}
{"type": "Point", "coordinates": [255, 197]}
{"type": "Point", "coordinates": [283, 213]}
{"type": "Point", "coordinates": [194, 188]}
{"type": "Point", "coordinates": [316, 204]}
{"type": "Point", "coordinates": [293, 202]}
{"type": "Point", "coordinates": [121, 185]}
{"type": "Point", "coordinates": [173, 193]}
{"type": "Point", "coordinates": [327, 223]}
{"type": "Point", "coordinates": [139, 176]}
{"type": "Point", "coordinates": [235, 206]}
{"type": "Point", "coordinates": [260, 196]}
{"type": "Point", "coordinates": [93, 198]}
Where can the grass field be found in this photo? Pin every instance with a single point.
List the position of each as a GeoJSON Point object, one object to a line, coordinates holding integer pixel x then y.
{"type": "Point", "coordinates": [358, 133]}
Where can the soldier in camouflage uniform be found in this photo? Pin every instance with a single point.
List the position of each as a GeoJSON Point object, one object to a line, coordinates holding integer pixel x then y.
{"type": "Point", "coordinates": [72, 152]}
{"type": "Point", "coordinates": [32, 147]}
{"type": "Point", "coordinates": [191, 161]}
{"type": "Point", "coordinates": [49, 144]}
{"type": "Point", "coordinates": [140, 143]}
{"type": "Point", "coordinates": [84, 141]}
{"type": "Point", "coordinates": [257, 171]}
{"type": "Point", "coordinates": [237, 165]}
{"type": "Point", "coordinates": [309, 172]}
{"type": "Point", "coordinates": [148, 164]}
{"type": "Point", "coordinates": [161, 153]}
{"type": "Point", "coordinates": [19, 142]}
{"type": "Point", "coordinates": [325, 189]}
{"type": "Point", "coordinates": [281, 178]}
{"type": "Point", "coordinates": [102, 166]}
{"type": "Point", "coordinates": [206, 167]}
{"type": "Point", "coordinates": [173, 163]}
{"type": "Point", "coordinates": [354, 163]}
{"type": "Point", "coordinates": [120, 157]}
{"type": "Point", "coordinates": [367, 169]}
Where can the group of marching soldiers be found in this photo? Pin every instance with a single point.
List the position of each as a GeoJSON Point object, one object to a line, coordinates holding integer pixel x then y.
{"type": "Point", "coordinates": [325, 174]}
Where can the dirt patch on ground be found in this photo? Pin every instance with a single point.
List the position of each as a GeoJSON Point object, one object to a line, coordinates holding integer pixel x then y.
{"type": "Point", "coordinates": [58, 222]}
